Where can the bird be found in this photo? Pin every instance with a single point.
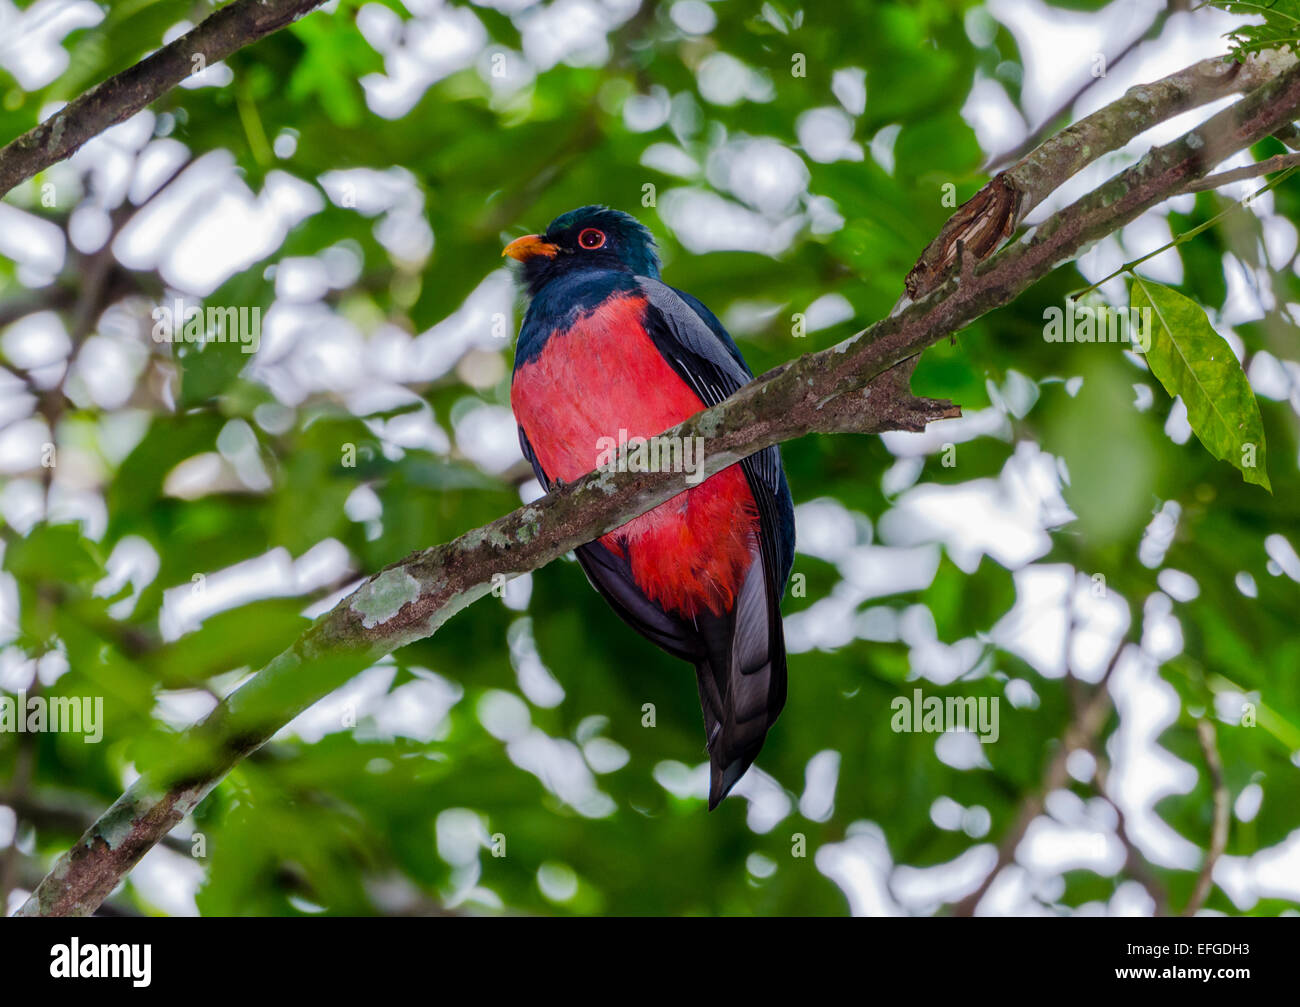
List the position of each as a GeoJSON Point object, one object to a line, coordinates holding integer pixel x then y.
{"type": "Point", "coordinates": [608, 352]}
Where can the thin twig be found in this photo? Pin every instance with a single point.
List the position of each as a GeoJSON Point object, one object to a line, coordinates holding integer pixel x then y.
{"type": "Point", "coordinates": [98, 291]}
{"type": "Point", "coordinates": [1187, 235]}
{"type": "Point", "coordinates": [24, 769]}
{"type": "Point", "coordinates": [1046, 127]}
{"type": "Point", "coordinates": [1278, 162]}
{"type": "Point", "coordinates": [1219, 831]}
{"type": "Point", "coordinates": [1089, 718]}
{"type": "Point", "coordinates": [1135, 862]}
{"type": "Point", "coordinates": [101, 262]}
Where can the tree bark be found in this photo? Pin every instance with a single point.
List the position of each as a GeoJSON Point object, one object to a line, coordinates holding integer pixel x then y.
{"type": "Point", "coordinates": [120, 97]}
{"type": "Point", "coordinates": [993, 213]}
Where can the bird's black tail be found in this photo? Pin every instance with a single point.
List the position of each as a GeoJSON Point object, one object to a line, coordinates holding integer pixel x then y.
{"type": "Point", "coordinates": [742, 683]}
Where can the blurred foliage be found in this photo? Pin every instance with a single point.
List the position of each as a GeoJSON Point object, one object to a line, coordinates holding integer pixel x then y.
{"type": "Point", "coordinates": [364, 819]}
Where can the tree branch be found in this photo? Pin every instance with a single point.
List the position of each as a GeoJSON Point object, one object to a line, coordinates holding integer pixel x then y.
{"type": "Point", "coordinates": [1134, 861]}
{"type": "Point", "coordinates": [1219, 831]}
{"type": "Point", "coordinates": [1278, 162]}
{"type": "Point", "coordinates": [992, 214]}
{"type": "Point", "coordinates": [1090, 717]}
{"type": "Point", "coordinates": [840, 389]}
{"type": "Point", "coordinates": [1045, 127]}
{"type": "Point", "coordinates": [121, 96]}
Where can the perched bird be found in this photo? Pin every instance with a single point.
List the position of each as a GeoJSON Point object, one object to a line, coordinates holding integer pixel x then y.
{"type": "Point", "coordinates": [608, 351]}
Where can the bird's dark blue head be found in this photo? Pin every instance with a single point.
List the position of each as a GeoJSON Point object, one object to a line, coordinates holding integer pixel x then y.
{"type": "Point", "coordinates": [589, 238]}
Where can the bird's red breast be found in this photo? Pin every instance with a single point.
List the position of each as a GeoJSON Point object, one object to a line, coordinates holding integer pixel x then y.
{"type": "Point", "coordinates": [602, 376]}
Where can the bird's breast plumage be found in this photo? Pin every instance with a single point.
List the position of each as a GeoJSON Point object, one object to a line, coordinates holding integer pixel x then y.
{"type": "Point", "coordinates": [599, 377]}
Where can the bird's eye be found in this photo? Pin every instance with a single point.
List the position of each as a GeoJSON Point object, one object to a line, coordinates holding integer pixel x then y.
{"type": "Point", "coordinates": [591, 239]}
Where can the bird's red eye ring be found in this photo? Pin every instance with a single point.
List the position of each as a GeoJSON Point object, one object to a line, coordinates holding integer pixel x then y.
{"type": "Point", "coordinates": [591, 239]}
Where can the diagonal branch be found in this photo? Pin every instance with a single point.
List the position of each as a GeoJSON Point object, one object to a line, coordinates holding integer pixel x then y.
{"type": "Point", "coordinates": [842, 388]}
{"type": "Point", "coordinates": [990, 216]}
{"type": "Point", "coordinates": [1045, 128]}
{"type": "Point", "coordinates": [1278, 162]}
{"type": "Point", "coordinates": [1135, 862]}
{"type": "Point", "coordinates": [1089, 718]}
{"type": "Point", "coordinates": [121, 96]}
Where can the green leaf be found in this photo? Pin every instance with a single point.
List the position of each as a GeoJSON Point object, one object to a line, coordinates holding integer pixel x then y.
{"type": "Point", "coordinates": [1280, 27]}
{"type": "Point", "coordinates": [1192, 360]}
{"type": "Point", "coordinates": [55, 554]}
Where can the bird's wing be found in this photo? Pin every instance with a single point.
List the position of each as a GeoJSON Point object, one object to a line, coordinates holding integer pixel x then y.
{"type": "Point", "coordinates": [527, 448]}
{"type": "Point", "coordinates": [743, 681]}
{"type": "Point", "coordinates": [704, 355]}
{"type": "Point", "coordinates": [611, 575]}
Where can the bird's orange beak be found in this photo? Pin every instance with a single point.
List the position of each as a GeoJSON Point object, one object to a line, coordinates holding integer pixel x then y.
{"type": "Point", "coordinates": [528, 246]}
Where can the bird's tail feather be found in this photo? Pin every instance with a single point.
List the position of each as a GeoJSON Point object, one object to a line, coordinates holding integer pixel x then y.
{"type": "Point", "coordinates": [742, 682]}
{"type": "Point", "coordinates": [734, 740]}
